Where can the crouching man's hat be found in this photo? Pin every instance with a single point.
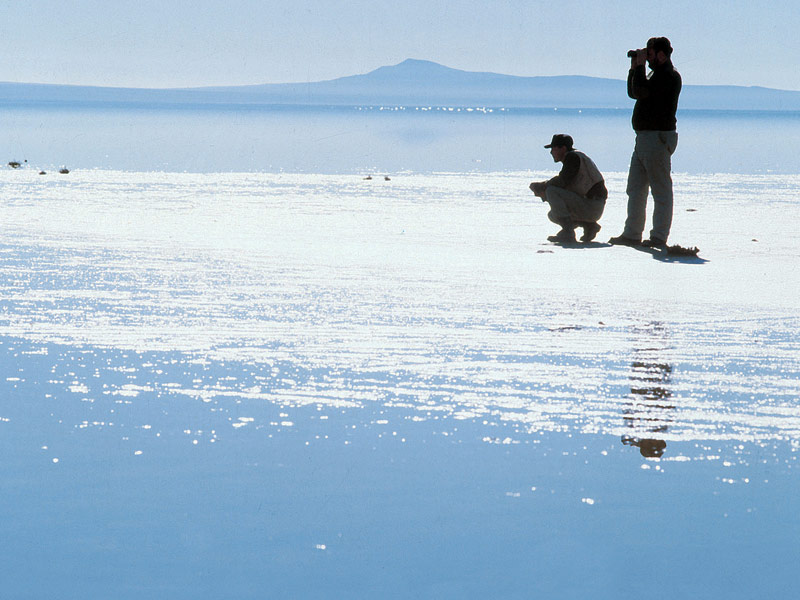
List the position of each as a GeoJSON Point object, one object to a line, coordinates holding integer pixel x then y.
{"type": "Point", "coordinates": [560, 139]}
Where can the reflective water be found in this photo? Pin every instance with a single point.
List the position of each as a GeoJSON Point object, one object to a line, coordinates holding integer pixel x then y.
{"type": "Point", "coordinates": [378, 139]}
{"type": "Point", "coordinates": [272, 385]}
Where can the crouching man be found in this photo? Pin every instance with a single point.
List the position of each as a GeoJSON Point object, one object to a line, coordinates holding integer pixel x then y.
{"type": "Point", "coordinates": [577, 195]}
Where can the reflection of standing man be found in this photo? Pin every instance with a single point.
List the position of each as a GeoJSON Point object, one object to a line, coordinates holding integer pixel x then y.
{"type": "Point", "coordinates": [656, 139]}
{"type": "Point", "coordinates": [648, 411]}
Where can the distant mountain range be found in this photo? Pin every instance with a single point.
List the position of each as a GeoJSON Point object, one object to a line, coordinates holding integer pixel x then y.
{"type": "Point", "coordinates": [411, 83]}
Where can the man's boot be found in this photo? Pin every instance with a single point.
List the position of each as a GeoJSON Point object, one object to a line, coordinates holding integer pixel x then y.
{"type": "Point", "coordinates": [589, 231]}
{"type": "Point", "coordinates": [567, 233]}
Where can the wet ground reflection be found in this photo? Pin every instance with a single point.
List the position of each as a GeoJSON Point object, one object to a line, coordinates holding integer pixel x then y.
{"type": "Point", "coordinates": [148, 394]}
{"type": "Point", "coordinates": [650, 410]}
{"type": "Point", "coordinates": [109, 458]}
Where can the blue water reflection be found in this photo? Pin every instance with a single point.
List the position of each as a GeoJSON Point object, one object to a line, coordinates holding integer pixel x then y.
{"type": "Point", "coordinates": [113, 486]}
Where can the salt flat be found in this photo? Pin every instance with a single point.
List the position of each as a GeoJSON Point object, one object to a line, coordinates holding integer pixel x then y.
{"type": "Point", "coordinates": [223, 322]}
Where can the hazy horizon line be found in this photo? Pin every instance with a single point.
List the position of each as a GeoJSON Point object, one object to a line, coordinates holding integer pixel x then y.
{"type": "Point", "coordinates": [389, 66]}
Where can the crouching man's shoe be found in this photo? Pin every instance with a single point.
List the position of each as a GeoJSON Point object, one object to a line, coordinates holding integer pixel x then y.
{"type": "Point", "coordinates": [589, 231]}
{"type": "Point", "coordinates": [621, 240]}
{"type": "Point", "coordinates": [565, 236]}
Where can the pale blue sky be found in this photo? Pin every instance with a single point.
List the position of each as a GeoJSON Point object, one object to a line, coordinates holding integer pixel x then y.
{"type": "Point", "coordinates": [175, 43]}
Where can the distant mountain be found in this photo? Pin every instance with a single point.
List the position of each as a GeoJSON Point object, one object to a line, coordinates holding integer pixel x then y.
{"type": "Point", "coordinates": [421, 83]}
{"type": "Point", "coordinates": [413, 83]}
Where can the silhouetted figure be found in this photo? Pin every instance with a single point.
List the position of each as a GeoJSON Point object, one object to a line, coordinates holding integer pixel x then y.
{"type": "Point", "coordinates": [577, 195]}
{"type": "Point", "coordinates": [649, 412]}
{"type": "Point", "coordinates": [654, 121]}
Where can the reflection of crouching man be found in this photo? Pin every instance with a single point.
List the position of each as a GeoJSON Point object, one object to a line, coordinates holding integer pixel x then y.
{"type": "Point", "coordinates": [577, 195]}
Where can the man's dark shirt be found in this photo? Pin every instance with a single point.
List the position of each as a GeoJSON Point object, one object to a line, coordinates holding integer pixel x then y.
{"type": "Point", "coordinates": [569, 170]}
{"type": "Point", "coordinates": [656, 97]}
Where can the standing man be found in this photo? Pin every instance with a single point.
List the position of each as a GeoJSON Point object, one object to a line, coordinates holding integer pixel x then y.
{"type": "Point", "coordinates": [577, 195]}
{"type": "Point", "coordinates": [656, 139]}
